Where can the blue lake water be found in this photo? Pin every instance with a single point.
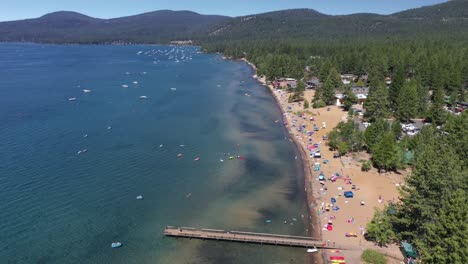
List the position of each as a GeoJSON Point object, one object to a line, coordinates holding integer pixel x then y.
{"type": "Point", "coordinates": [70, 169]}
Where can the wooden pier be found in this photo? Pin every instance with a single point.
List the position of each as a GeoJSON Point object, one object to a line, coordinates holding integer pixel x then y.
{"type": "Point", "coordinates": [246, 237]}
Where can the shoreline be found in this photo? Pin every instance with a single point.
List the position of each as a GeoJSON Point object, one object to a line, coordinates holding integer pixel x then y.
{"type": "Point", "coordinates": [311, 198]}
{"type": "Point", "coordinates": [371, 189]}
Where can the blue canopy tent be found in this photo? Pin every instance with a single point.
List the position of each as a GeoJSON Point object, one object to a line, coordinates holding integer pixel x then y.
{"type": "Point", "coordinates": [348, 194]}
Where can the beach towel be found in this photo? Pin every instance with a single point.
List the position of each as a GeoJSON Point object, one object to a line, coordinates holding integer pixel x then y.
{"type": "Point", "coordinates": [337, 258]}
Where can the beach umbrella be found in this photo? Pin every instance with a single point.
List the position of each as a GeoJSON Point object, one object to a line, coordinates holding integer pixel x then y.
{"type": "Point", "coordinates": [333, 200]}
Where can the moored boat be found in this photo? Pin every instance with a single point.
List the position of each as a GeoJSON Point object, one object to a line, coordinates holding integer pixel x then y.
{"type": "Point", "coordinates": [116, 244]}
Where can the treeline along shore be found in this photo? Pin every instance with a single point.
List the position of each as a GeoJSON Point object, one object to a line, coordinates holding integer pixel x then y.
{"type": "Point", "coordinates": [395, 98]}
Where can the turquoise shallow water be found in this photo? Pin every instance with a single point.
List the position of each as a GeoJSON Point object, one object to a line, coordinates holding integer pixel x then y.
{"type": "Point", "coordinates": [58, 206]}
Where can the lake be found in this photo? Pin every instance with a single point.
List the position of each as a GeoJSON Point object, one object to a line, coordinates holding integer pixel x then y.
{"type": "Point", "coordinates": [84, 130]}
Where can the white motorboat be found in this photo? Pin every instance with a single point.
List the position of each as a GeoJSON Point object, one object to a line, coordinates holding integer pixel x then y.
{"type": "Point", "coordinates": [116, 244]}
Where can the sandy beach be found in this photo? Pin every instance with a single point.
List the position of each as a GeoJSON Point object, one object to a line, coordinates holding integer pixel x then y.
{"type": "Point", "coordinates": [347, 217]}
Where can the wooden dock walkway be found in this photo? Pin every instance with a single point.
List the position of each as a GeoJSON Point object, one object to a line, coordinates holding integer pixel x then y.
{"type": "Point", "coordinates": [246, 237]}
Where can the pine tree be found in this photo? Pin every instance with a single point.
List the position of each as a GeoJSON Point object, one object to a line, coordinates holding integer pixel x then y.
{"type": "Point", "coordinates": [374, 133]}
{"type": "Point", "coordinates": [324, 71]}
{"type": "Point", "coordinates": [423, 97]}
{"type": "Point", "coordinates": [335, 77]}
{"type": "Point", "coordinates": [300, 87]}
{"type": "Point", "coordinates": [407, 102]}
{"type": "Point", "coordinates": [437, 173]}
{"type": "Point", "coordinates": [386, 154]}
{"type": "Point", "coordinates": [446, 236]}
{"type": "Point", "coordinates": [349, 98]}
{"type": "Point", "coordinates": [328, 91]}
{"type": "Point", "coordinates": [379, 229]}
{"type": "Point", "coordinates": [395, 88]}
{"type": "Point", "coordinates": [437, 113]}
{"type": "Point", "coordinates": [376, 104]}
{"type": "Point", "coordinates": [457, 137]}
{"type": "Point", "coordinates": [396, 129]}
{"type": "Point", "coordinates": [455, 80]}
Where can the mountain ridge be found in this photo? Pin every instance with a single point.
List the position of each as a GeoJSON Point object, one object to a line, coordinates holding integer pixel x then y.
{"type": "Point", "coordinates": [71, 27]}
{"type": "Point", "coordinates": [163, 26]}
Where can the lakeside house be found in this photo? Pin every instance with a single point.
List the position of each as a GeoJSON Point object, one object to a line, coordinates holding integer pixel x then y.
{"type": "Point", "coordinates": [339, 99]}
{"type": "Point", "coordinates": [284, 83]}
{"type": "Point", "coordinates": [360, 92]}
{"type": "Point", "coordinates": [361, 98]}
{"type": "Point", "coordinates": [348, 78]}
{"type": "Point", "coordinates": [313, 83]}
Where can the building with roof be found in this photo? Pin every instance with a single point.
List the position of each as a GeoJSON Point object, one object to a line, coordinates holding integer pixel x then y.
{"type": "Point", "coordinates": [313, 83]}
{"type": "Point", "coordinates": [360, 90]}
{"type": "Point", "coordinates": [348, 78]}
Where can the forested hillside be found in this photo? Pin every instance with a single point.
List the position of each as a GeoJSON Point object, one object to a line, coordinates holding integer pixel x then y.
{"type": "Point", "coordinates": [444, 21]}
{"type": "Point", "coordinates": [455, 9]}
{"type": "Point", "coordinates": [70, 27]}
{"type": "Point", "coordinates": [439, 21]}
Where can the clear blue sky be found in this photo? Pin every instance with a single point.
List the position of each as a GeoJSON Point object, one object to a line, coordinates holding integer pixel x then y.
{"type": "Point", "coordinates": [20, 9]}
